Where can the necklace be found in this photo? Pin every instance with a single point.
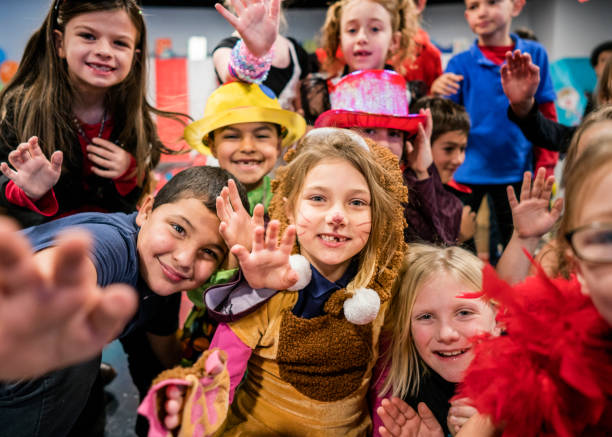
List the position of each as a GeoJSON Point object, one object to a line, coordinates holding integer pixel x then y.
{"type": "Point", "coordinates": [82, 133]}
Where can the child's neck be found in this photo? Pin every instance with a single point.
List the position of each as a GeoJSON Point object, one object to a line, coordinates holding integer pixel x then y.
{"type": "Point", "coordinates": [331, 272]}
{"type": "Point", "coordinates": [89, 107]}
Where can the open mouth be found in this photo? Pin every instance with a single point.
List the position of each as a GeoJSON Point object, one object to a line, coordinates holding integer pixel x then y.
{"type": "Point", "coordinates": [361, 53]}
{"type": "Point", "coordinates": [247, 162]}
{"type": "Point", "coordinates": [100, 67]}
{"type": "Point", "coordinates": [451, 354]}
{"type": "Point", "coordinates": [333, 238]}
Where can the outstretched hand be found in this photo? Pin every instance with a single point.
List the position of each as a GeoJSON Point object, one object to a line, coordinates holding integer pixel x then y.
{"type": "Point", "coordinates": [53, 315]}
{"type": "Point", "coordinates": [33, 173]}
{"type": "Point", "coordinates": [400, 420]}
{"type": "Point", "coordinates": [520, 79]}
{"type": "Point", "coordinates": [237, 226]}
{"type": "Point", "coordinates": [256, 21]}
{"type": "Point", "coordinates": [532, 216]}
{"type": "Point", "coordinates": [267, 265]}
{"type": "Point", "coordinates": [110, 161]}
{"type": "Point", "coordinates": [418, 155]}
{"type": "Point", "coordinates": [447, 84]}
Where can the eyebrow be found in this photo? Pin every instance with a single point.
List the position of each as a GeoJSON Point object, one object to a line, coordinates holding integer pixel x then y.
{"type": "Point", "coordinates": [327, 189]}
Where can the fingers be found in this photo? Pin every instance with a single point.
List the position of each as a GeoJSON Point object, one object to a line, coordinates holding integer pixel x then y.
{"type": "Point", "coordinates": [259, 238]}
{"type": "Point", "coordinates": [272, 235]}
{"type": "Point", "coordinates": [231, 18]}
{"type": "Point", "coordinates": [117, 304]}
{"type": "Point", "coordinates": [526, 187]}
{"type": "Point", "coordinates": [7, 171]}
{"type": "Point", "coordinates": [427, 417]}
{"type": "Point", "coordinates": [17, 270]}
{"type": "Point", "coordinates": [258, 215]}
{"type": "Point", "coordinates": [234, 196]}
{"type": "Point", "coordinates": [512, 200]}
{"type": "Point", "coordinates": [428, 122]}
{"type": "Point", "coordinates": [557, 209]}
{"type": "Point", "coordinates": [71, 259]}
{"type": "Point", "coordinates": [275, 9]}
{"type": "Point", "coordinates": [56, 161]}
{"type": "Point", "coordinates": [241, 253]}
{"type": "Point", "coordinates": [288, 239]}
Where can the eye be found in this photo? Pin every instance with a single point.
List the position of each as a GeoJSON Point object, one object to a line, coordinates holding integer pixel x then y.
{"type": "Point", "coordinates": [86, 35]}
{"type": "Point", "coordinates": [207, 253]}
{"type": "Point", "coordinates": [351, 30]}
{"type": "Point", "coordinates": [178, 228]}
{"type": "Point", "coordinates": [263, 136]}
{"type": "Point", "coordinates": [230, 136]}
{"type": "Point", "coordinates": [369, 131]}
{"type": "Point", "coordinates": [465, 313]}
{"type": "Point", "coordinates": [376, 29]}
{"type": "Point", "coordinates": [448, 150]}
{"type": "Point", "coordinates": [425, 316]}
{"type": "Point", "coordinates": [395, 133]}
{"type": "Point", "coordinates": [122, 44]}
{"type": "Point", "coordinates": [358, 202]}
{"type": "Point", "coordinates": [316, 198]}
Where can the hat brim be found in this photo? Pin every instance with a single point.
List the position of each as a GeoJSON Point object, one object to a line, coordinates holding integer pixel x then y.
{"type": "Point", "coordinates": [349, 119]}
{"type": "Point", "coordinates": [196, 133]}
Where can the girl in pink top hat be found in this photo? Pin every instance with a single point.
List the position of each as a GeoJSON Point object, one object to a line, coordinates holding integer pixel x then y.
{"type": "Point", "coordinates": [375, 104]}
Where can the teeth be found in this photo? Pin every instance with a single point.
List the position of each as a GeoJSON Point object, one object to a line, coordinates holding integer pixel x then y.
{"type": "Point", "coordinates": [332, 238]}
{"type": "Point", "coordinates": [451, 354]}
{"type": "Point", "coordinates": [101, 67]}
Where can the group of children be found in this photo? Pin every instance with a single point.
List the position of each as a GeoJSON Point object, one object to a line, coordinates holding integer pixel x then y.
{"type": "Point", "coordinates": [335, 294]}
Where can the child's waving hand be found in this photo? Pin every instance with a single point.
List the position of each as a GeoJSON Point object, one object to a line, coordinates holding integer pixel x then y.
{"type": "Point", "coordinates": [400, 420]}
{"type": "Point", "coordinates": [33, 173]}
{"type": "Point", "coordinates": [256, 21]}
{"type": "Point", "coordinates": [267, 265]}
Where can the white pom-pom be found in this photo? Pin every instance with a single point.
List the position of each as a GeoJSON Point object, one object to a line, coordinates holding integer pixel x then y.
{"type": "Point", "coordinates": [362, 307]}
{"type": "Point", "coordinates": [302, 267]}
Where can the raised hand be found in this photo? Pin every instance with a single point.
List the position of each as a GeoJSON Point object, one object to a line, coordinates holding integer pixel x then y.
{"type": "Point", "coordinates": [468, 224]}
{"type": "Point", "coordinates": [52, 314]}
{"type": "Point", "coordinates": [446, 85]}
{"type": "Point", "coordinates": [237, 226]}
{"type": "Point", "coordinates": [33, 172]}
{"type": "Point", "coordinates": [520, 79]}
{"type": "Point", "coordinates": [459, 413]}
{"type": "Point", "coordinates": [110, 161]}
{"type": "Point", "coordinates": [267, 265]}
{"type": "Point", "coordinates": [256, 21]}
{"type": "Point", "coordinates": [418, 156]}
{"type": "Point", "coordinates": [532, 216]}
{"type": "Point", "coordinates": [400, 420]}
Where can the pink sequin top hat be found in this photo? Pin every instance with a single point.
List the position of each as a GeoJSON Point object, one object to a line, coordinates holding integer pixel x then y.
{"type": "Point", "coordinates": [370, 98]}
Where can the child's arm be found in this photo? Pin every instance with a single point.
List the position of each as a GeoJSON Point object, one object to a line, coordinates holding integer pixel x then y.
{"type": "Point", "coordinates": [459, 413]}
{"type": "Point", "coordinates": [532, 218]}
{"type": "Point", "coordinates": [400, 420]}
{"type": "Point", "coordinates": [251, 58]}
{"type": "Point", "coordinates": [52, 313]}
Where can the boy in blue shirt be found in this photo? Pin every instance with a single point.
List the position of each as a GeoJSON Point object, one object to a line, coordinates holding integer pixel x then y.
{"type": "Point", "coordinates": [497, 154]}
{"type": "Point", "coordinates": [171, 244]}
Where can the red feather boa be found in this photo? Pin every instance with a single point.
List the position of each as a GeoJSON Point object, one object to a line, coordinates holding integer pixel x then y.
{"type": "Point", "coordinates": [550, 374]}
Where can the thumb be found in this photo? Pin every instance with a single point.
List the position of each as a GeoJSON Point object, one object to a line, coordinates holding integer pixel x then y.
{"type": "Point", "coordinates": [427, 417]}
{"type": "Point", "coordinates": [240, 252]}
{"type": "Point", "coordinates": [56, 160]}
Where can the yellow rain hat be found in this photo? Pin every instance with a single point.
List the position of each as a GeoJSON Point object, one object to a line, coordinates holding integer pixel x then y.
{"type": "Point", "coordinates": [239, 102]}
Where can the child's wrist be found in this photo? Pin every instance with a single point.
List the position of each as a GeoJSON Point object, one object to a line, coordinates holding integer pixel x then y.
{"type": "Point", "coordinates": [247, 67]}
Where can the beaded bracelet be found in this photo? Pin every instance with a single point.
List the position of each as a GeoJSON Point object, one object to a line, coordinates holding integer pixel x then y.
{"type": "Point", "coordinates": [247, 67]}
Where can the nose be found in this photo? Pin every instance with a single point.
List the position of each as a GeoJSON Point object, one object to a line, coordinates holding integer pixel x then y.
{"type": "Point", "coordinates": [102, 48]}
{"type": "Point", "coordinates": [247, 143]}
{"type": "Point", "coordinates": [447, 333]}
{"type": "Point", "coordinates": [336, 217]}
{"type": "Point", "coordinates": [184, 257]}
{"type": "Point", "coordinates": [458, 157]}
{"type": "Point", "coordinates": [361, 35]}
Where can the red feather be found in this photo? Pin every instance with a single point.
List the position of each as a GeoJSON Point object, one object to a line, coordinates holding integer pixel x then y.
{"type": "Point", "coordinates": [550, 373]}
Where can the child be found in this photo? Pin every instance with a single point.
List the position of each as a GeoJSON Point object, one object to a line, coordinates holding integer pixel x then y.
{"type": "Point", "coordinates": [40, 311]}
{"type": "Point", "coordinates": [472, 79]}
{"type": "Point", "coordinates": [310, 351]}
{"type": "Point", "coordinates": [368, 33]}
{"type": "Point", "coordinates": [77, 105]}
{"type": "Point", "coordinates": [245, 128]}
{"type": "Point", "coordinates": [429, 321]}
{"type": "Point", "coordinates": [558, 330]}
{"type": "Point", "coordinates": [451, 127]}
{"type": "Point", "coordinates": [257, 25]}
{"type": "Point", "coordinates": [171, 244]}
{"type": "Point", "coordinates": [432, 214]}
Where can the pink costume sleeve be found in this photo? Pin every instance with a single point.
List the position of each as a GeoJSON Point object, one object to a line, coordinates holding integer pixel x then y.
{"type": "Point", "coordinates": [379, 375]}
{"type": "Point", "coordinates": [238, 354]}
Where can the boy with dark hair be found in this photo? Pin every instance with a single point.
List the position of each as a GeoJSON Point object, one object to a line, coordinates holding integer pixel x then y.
{"type": "Point", "coordinates": [171, 244]}
{"type": "Point", "coordinates": [498, 153]}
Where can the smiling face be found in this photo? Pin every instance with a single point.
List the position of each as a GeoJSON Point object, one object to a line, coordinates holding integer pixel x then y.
{"type": "Point", "coordinates": [596, 278]}
{"type": "Point", "coordinates": [333, 216]}
{"type": "Point", "coordinates": [491, 19]}
{"type": "Point", "coordinates": [366, 35]}
{"type": "Point", "coordinates": [442, 324]}
{"type": "Point", "coordinates": [448, 152]}
{"type": "Point", "coordinates": [98, 48]}
{"type": "Point", "coordinates": [179, 245]}
{"type": "Point", "coordinates": [247, 150]}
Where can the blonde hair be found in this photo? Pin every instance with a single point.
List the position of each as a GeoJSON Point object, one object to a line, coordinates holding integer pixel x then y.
{"type": "Point", "coordinates": [386, 191]}
{"type": "Point", "coordinates": [587, 170]}
{"type": "Point", "coordinates": [403, 20]}
{"type": "Point", "coordinates": [420, 264]}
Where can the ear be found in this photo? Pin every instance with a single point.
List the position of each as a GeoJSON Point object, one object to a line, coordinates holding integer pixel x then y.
{"type": "Point", "coordinates": [517, 7]}
{"type": "Point", "coordinates": [394, 46]}
{"type": "Point", "coordinates": [145, 210]}
{"type": "Point", "coordinates": [58, 39]}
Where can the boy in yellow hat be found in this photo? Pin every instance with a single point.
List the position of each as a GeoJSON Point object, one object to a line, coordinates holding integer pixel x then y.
{"type": "Point", "coordinates": [244, 127]}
